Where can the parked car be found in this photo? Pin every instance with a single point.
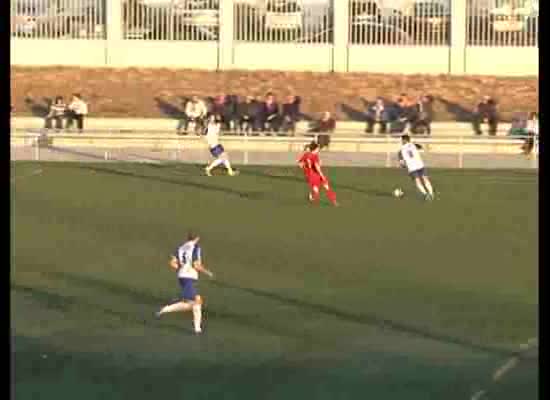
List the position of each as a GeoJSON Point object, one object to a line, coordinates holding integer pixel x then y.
{"type": "Point", "coordinates": [59, 18]}
{"type": "Point", "coordinates": [171, 19]}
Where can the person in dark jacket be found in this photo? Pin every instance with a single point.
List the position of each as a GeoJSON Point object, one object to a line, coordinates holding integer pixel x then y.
{"type": "Point", "coordinates": [486, 111]}
{"type": "Point", "coordinates": [224, 106]}
{"type": "Point", "coordinates": [290, 114]}
{"type": "Point", "coordinates": [270, 115]}
{"type": "Point", "coordinates": [423, 115]}
{"type": "Point", "coordinates": [248, 115]}
{"type": "Point", "coordinates": [57, 113]}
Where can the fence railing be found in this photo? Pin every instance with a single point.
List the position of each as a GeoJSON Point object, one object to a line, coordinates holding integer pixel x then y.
{"type": "Point", "coordinates": [370, 22]}
{"type": "Point", "coordinates": [441, 152]}
{"type": "Point", "coordinates": [58, 19]}
{"type": "Point", "coordinates": [502, 23]}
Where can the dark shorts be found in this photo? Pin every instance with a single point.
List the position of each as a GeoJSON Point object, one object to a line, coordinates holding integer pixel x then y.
{"type": "Point", "coordinates": [188, 290]}
{"type": "Point", "coordinates": [217, 151]}
{"type": "Point", "coordinates": [419, 173]}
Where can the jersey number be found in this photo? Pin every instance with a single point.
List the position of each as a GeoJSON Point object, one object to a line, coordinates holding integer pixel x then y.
{"type": "Point", "coordinates": [410, 153]}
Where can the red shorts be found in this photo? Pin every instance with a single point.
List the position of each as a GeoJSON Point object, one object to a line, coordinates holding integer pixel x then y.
{"type": "Point", "coordinates": [314, 180]}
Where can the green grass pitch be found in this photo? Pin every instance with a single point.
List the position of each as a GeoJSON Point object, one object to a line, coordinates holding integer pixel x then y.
{"type": "Point", "coordinates": [380, 298]}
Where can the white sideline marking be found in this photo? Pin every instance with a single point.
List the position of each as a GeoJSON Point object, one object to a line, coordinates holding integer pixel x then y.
{"type": "Point", "coordinates": [507, 366]}
{"type": "Point", "coordinates": [35, 172]}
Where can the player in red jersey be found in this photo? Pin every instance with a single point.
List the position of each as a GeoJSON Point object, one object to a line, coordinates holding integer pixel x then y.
{"type": "Point", "coordinates": [310, 163]}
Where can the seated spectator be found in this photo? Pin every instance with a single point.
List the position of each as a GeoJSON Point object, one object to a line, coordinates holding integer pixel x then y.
{"type": "Point", "coordinates": [531, 142]}
{"type": "Point", "coordinates": [195, 114]}
{"type": "Point", "coordinates": [519, 125]}
{"type": "Point", "coordinates": [377, 114]}
{"type": "Point", "coordinates": [486, 111]}
{"type": "Point", "coordinates": [224, 107]}
{"type": "Point", "coordinates": [421, 118]}
{"type": "Point", "coordinates": [56, 113]}
{"type": "Point", "coordinates": [290, 114]}
{"type": "Point", "coordinates": [323, 128]}
{"type": "Point", "coordinates": [76, 111]}
{"type": "Point", "coordinates": [248, 115]}
{"type": "Point", "coordinates": [270, 114]}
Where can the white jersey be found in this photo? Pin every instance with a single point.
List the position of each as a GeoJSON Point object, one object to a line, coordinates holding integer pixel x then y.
{"type": "Point", "coordinates": [186, 254]}
{"type": "Point", "coordinates": [411, 156]}
{"type": "Point", "coordinates": [213, 134]}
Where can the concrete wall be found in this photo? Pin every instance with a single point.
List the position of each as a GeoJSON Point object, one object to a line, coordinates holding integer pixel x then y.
{"type": "Point", "coordinates": [456, 59]}
{"type": "Point", "coordinates": [400, 60]}
{"type": "Point", "coordinates": [283, 57]}
{"type": "Point", "coordinates": [509, 61]}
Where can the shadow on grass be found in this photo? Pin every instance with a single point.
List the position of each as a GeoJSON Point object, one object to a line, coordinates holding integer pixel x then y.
{"type": "Point", "coordinates": [293, 178]}
{"type": "Point", "coordinates": [139, 297]}
{"type": "Point", "coordinates": [182, 183]}
{"type": "Point", "coordinates": [369, 319]}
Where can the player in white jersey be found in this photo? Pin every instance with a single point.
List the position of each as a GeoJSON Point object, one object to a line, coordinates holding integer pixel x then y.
{"type": "Point", "coordinates": [212, 134]}
{"type": "Point", "coordinates": [409, 157]}
{"type": "Point", "coordinates": [187, 263]}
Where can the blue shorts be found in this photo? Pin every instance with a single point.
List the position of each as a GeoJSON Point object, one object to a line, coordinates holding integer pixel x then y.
{"type": "Point", "coordinates": [217, 150]}
{"type": "Point", "coordinates": [188, 290]}
{"type": "Point", "coordinates": [419, 173]}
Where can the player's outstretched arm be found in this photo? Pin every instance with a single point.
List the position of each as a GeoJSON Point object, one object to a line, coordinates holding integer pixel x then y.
{"type": "Point", "coordinates": [174, 263]}
{"type": "Point", "coordinates": [199, 267]}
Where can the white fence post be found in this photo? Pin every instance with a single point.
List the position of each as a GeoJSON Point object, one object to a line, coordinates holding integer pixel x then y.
{"type": "Point", "coordinates": [225, 45]}
{"type": "Point", "coordinates": [37, 149]}
{"type": "Point", "coordinates": [245, 154]}
{"type": "Point", "coordinates": [341, 36]}
{"type": "Point", "coordinates": [388, 155]}
{"type": "Point", "coordinates": [461, 153]}
{"type": "Point", "coordinates": [458, 37]}
{"type": "Point", "coordinates": [113, 23]}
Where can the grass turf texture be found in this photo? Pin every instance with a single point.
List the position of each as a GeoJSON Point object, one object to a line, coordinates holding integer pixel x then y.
{"type": "Point", "coordinates": [380, 298]}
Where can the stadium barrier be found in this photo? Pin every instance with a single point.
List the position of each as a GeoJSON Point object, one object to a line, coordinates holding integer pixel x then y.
{"type": "Point", "coordinates": [455, 152]}
{"type": "Point", "coordinates": [457, 37]}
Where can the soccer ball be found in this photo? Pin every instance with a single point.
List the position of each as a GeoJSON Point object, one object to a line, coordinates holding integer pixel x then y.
{"type": "Point", "coordinates": [398, 193]}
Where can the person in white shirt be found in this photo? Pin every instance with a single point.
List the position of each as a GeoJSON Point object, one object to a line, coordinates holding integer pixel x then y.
{"type": "Point", "coordinates": [195, 112]}
{"type": "Point", "coordinates": [212, 134]}
{"type": "Point", "coordinates": [77, 110]}
{"type": "Point", "coordinates": [187, 262]}
{"type": "Point", "coordinates": [409, 157]}
{"type": "Point", "coordinates": [533, 132]}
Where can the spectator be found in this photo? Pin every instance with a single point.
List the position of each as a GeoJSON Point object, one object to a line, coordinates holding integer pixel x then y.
{"type": "Point", "coordinates": [519, 125]}
{"type": "Point", "coordinates": [270, 114]}
{"type": "Point", "coordinates": [195, 113]}
{"type": "Point", "coordinates": [377, 114]}
{"type": "Point", "coordinates": [224, 107]}
{"type": "Point", "coordinates": [531, 142]}
{"type": "Point", "coordinates": [56, 113]}
{"type": "Point", "coordinates": [486, 111]}
{"type": "Point", "coordinates": [77, 110]}
{"type": "Point", "coordinates": [290, 114]}
{"type": "Point", "coordinates": [423, 115]}
{"type": "Point", "coordinates": [324, 128]}
{"type": "Point", "coordinates": [248, 115]}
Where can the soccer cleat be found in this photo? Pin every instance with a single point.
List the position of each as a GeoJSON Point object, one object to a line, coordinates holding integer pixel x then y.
{"type": "Point", "coordinates": [157, 315]}
{"type": "Point", "coordinates": [207, 171]}
{"type": "Point", "coordinates": [233, 173]}
{"type": "Point", "coordinates": [429, 197]}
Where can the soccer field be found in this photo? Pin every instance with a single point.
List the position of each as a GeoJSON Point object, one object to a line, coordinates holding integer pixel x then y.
{"type": "Point", "coordinates": [380, 298]}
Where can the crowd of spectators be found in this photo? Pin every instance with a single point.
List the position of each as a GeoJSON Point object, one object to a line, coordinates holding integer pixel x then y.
{"type": "Point", "coordinates": [265, 115]}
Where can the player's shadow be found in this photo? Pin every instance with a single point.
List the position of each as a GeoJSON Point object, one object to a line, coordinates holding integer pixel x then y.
{"type": "Point", "coordinates": [289, 177]}
{"type": "Point", "coordinates": [179, 182]}
{"type": "Point", "coordinates": [64, 303]}
{"type": "Point", "coordinates": [369, 319]}
{"type": "Point", "coordinates": [141, 297]}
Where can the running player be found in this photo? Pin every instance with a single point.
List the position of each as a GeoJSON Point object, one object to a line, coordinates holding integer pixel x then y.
{"type": "Point", "coordinates": [212, 134]}
{"type": "Point", "coordinates": [409, 157]}
{"type": "Point", "coordinates": [311, 165]}
{"type": "Point", "coordinates": [187, 263]}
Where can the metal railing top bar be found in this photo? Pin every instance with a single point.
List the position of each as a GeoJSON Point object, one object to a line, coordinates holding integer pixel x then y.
{"type": "Point", "coordinates": [279, 139]}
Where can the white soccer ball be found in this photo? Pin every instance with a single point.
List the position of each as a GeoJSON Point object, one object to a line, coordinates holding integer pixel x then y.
{"type": "Point", "coordinates": [398, 193]}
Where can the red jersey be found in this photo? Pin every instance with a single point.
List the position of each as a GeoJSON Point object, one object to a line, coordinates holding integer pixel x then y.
{"type": "Point", "coordinates": [309, 161]}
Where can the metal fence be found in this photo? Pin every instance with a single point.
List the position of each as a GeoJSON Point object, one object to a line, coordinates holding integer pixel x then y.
{"type": "Point", "coordinates": [370, 152]}
{"type": "Point", "coordinates": [502, 23]}
{"type": "Point", "coordinates": [371, 22]}
{"type": "Point", "coordinates": [58, 19]}
{"type": "Point", "coordinates": [410, 23]}
{"type": "Point", "coordinates": [283, 21]}
{"type": "Point", "coordinates": [190, 20]}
